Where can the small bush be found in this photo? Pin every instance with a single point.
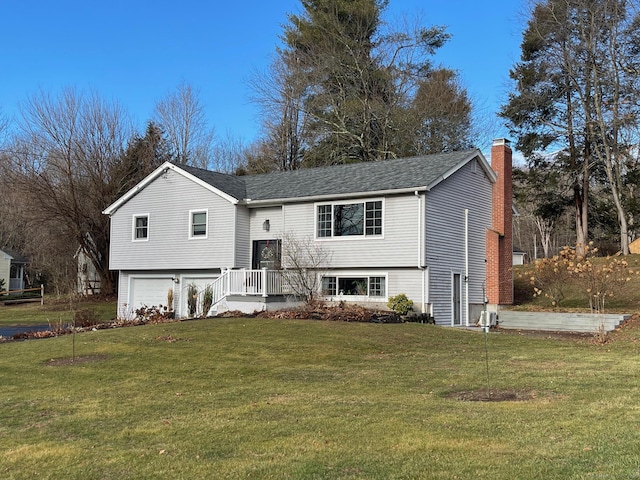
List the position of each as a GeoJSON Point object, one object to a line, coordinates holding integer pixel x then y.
{"type": "Point", "coordinates": [400, 304]}
{"type": "Point", "coordinates": [192, 299]}
{"type": "Point", "coordinates": [207, 300]}
{"type": "Point", "coordinates": [85, 318]}
{"type": "Point", "coordinates": [170, 300]}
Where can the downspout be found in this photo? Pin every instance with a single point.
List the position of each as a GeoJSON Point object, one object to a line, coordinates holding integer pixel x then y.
{"type": "Point", "coordinates": [421, 247]}
{"type": "Point", "coordinates": [466, 264]}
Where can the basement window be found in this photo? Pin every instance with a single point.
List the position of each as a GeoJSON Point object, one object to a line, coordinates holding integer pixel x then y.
{"type": "Point", "coordinates": [350, 285]}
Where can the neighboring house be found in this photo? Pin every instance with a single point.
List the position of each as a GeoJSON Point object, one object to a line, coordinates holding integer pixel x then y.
{"type": "Point", "coordinates": [12, 270]}
{"type": "Point", "coordinates": [437, 228]}
{"type": "Point", "coordinates": [518, 256]}
{"type": "Point", "coordinates": [88, 278]}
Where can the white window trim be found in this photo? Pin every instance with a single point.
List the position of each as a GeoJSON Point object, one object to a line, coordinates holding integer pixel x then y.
{"type": "Point", "coordinates": [342, 238]}
{"type": "Point", "coordinates": [206, 229]}
{"type": "Point", "coordinates": [133, 229]}
{"type": "Point", "coordinates": [352, 274]}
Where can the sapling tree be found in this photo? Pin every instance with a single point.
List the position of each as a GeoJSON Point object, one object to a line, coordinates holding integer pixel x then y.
{"type": "Point", "coordinates": [304, 261]}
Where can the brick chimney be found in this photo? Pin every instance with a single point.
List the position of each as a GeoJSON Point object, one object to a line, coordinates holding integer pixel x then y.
{"type": "Point", "coordinates": [500, 237]}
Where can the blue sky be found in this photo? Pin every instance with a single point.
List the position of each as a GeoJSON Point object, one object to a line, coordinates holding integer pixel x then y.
{"type": "Point", "coordinates": [137, 51]}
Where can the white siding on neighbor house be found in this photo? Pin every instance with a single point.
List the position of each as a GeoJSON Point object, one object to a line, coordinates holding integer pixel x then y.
{"type": "Point", "coordinates": [5, 270]}
{"type": "Point", "coordinates": [468, 189]}
{"type": "Point", "coordinates": [397, 247]}
{"type": "Point", "coordinates": [167, 201]}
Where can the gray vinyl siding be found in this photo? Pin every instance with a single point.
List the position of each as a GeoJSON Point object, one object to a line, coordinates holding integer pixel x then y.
{"type": "Point", "coordinates": [407, 281]}
{"type": "Point", "coordinates": [168, 200]}
{"type": "Point", "coordinates": [123, 293]}
{"type": "Point", "coordinates": [242, 238]}
{"type": "Point", "coordinates": [399, 280]}
{"type": "Point", "coordinates": [397, 247]}
{"type": "Point", "coordinates": [257, 219]}
{"type": "Point", "coordinates": [468, 189]}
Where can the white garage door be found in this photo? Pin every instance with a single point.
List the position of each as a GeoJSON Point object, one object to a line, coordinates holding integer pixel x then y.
{"type": "Point", "coordinates": [201, 283]}
{"type": "Point", "coordinates": [149, 291]}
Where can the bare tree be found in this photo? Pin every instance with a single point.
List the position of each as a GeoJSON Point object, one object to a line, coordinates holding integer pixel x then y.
{"type": "Point", "coordinates": [281, 93]}
{"type": "Point", "coordinates": [181, 115]}
{"type": "Point", "coordinates": [228, 154]}
{"type": "Point", "coordinates": [304, 261]}
{"type": "Point", "coordinates": [576, 88]}
{"type": "Point", "coordinates": [62, 166]}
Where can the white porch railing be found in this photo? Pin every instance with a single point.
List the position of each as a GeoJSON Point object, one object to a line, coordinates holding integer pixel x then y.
{"type": "Point", "coordinates": [261, 282]}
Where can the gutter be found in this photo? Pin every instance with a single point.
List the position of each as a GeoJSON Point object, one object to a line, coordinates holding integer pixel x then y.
{"type": "Point", "coordinates": [318, 198]}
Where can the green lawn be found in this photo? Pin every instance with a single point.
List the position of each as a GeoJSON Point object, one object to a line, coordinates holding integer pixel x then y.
{"type": "Point", "coordinates": [256, 399]}
{"type": "Point", "coordinates": [54, 311]}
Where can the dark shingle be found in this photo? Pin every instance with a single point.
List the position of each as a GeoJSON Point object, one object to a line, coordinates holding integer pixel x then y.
{"type": "Point", "coordinates": [336, 180]}
{"type": "Point", "coordinates": [229, 184]}
{"type": "Point", "coordinates": [356, 177]}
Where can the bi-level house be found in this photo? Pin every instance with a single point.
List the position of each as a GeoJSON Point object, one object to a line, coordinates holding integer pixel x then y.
{"type": "Point", "coordinates": [437, 228]}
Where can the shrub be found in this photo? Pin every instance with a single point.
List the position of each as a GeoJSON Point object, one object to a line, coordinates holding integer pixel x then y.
{"type": "Point", "coordinates": [85, 318]}
{"type": "Point", "coordinates": [598, 279]}
{"type": "Point", "coordinates": [207, 300]}
{"type": "Point", "coordinates": [192, 299]}
{"type": "Point", "coordinates": [170, 299]}
{"type": "Point", "coordinates": [400, 304]}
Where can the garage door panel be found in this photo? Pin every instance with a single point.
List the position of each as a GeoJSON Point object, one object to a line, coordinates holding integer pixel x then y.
{"type": "Point", "coordinates": [149, 291]}
{"type": "Point", "coordinates": [200, 282]}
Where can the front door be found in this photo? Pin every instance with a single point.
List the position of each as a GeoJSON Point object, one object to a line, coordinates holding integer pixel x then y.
{"type": "Point", "coordinates": [457, 299]}
{"type": "Point", "coordinates": [266, 254]}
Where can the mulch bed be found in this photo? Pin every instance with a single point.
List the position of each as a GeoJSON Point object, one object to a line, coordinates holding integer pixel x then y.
{"type": "Point", "coordinates": [335, 313]}
{"type": "Point", "coordinates": [79, 360]}
{"type": "Point", "coordinates": [484, 395]}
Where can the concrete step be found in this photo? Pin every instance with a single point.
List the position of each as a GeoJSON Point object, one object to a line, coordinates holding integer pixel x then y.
{"type": "Point", "coordinates": [559, 322]}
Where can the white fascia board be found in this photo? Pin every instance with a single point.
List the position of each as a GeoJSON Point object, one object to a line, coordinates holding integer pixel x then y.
{"type": "Point", "coordinates": [322, 198]}
{"type": "Point", "coordinates": [481, 160]}
{"type": "Point", "coordinates": [111, 209]}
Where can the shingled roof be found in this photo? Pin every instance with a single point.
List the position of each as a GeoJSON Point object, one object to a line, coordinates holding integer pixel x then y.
{"type": "Point", "coordinates": [339, 180]}
{"type": "Point", "coordinates": [229, 184]}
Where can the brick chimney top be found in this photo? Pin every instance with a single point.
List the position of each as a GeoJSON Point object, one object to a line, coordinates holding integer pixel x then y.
{"type": "Point", "coordinates": [501, 141]}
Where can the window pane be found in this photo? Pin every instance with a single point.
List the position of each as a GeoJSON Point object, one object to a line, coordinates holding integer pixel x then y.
{"type": "Point", "coordinates": [374, 218]}
{"type": "Point", "coordinates": [329, 286]}
{"type": "Point", "coordinates": [141, 227]}
{"type": "Point", "coordinates": [377, 287]}
{"type": "Point", "coordinates": [348, 219]}
{"type": "Point", "coordinates": [324, 220]}
{"type": "Point", "coordinates": [199, 224]}
{"type": "Point", "coordinates": [352, 286]}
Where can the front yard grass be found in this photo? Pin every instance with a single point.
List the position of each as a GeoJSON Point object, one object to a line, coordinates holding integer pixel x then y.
{"type": "Point", "coordinates": [257, 398]}
{"type": "Point", "coordinates": [55, 311]}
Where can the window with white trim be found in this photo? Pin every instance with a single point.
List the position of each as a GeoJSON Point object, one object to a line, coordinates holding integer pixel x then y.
{"type": "Point", "coordinates": [141, 227]}
{"type": "Point", "coordinates": [349, 219]}
{"type": "Point", "coordinates": [198, 224]}
{"type": "Point", "coordinates": [354, 285]}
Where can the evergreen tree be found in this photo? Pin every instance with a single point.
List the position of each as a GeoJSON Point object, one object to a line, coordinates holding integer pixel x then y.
{"type": "Point", "coordinates": [575, 91]}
